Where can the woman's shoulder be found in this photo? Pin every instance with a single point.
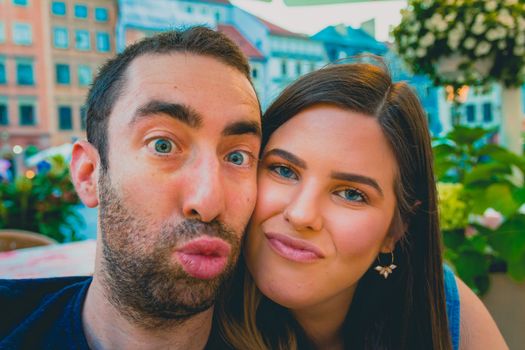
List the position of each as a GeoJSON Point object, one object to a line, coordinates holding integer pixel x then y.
{"type": "Point", "coordinates": [477, 328]}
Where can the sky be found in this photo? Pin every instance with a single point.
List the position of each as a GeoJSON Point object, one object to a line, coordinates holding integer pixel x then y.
{"type": "Point", "coordinates": [311, 19]}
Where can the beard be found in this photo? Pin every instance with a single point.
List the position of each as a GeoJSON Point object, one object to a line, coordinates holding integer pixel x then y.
{"type": "Point", "coordinates": [140, 276]}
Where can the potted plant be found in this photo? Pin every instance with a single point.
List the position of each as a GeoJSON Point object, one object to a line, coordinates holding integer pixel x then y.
{"type": "Point", "coordinates": [43, 201]}
{"type": "Point", "coordinates": [482, 198]}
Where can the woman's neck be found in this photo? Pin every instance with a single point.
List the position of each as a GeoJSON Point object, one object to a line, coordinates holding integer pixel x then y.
{"type": "Point", "coordinates": [323, 322]}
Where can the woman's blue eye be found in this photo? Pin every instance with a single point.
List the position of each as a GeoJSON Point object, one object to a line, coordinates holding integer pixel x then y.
{"type": "Point", "coordinates": [284, 171]}
{"type": "Point", "coordinates": [238, 158]}
{"type": "Point", "coordinates": [351, 195]}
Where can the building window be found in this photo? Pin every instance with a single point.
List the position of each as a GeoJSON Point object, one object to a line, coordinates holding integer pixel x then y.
{"type": "Point", "coordinates": [58, 8]}
{"type": "Point", "coordinates": [189, 9]}
{"type": "Point", "coordinates": [83, 115]}
{"type": "Point", "coordinates": [298, 68]}
{"type": "Point", "coordinates": [65, 119]}
{"type": "Point", "coordinates": [85, 75]}
{"type": "Point", "coordinates": [20, 2]}
{"type": "Point", "coordinates": [24, 73]}
{"type": "Point", "coordinates": [27, 115]}
{"type": "Point", "coordinates": [22, 34]}
{"type": "Point", "coordinates": [81, 11]}
{"type": "Point", "coordinates": [3, 75]}
{"type": "Point", "coordinates": [471, 113]}
{"type": "Point", "coordinates": [103, 44]}
{"type": "Point", "coordinates": [2, 32]}
{"type": "Point", "coordinates": [284, 68]}
{"type": "Point", "coordinates": [4, 120]}
{"type": "Point", "coordinates": [254, 73]}
{"type": "Point", "coordinates": [101, 14]}
{"type": "Point", "coordinates": [487, 112]}
{"type": "Point", "coordinates": [82, 40]}
{"type": "Point", "coordinates": [62, 74]}
{"type": "Point", "coordinates": [60, 38]}
{"type": "Point", "coordinates": [218, 16]}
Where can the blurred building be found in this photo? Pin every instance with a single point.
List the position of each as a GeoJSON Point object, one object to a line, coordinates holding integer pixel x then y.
{"type": "Point", "coordinates": [24, 107]}
{"type": "Point", "coordinates": [342, 41]}
{"type": "Point", "coordinates": [49, 52]}
{"type": "Point", "coordinates": [80, 39]}
{"type": "Point", "coordinates": [276, 56]}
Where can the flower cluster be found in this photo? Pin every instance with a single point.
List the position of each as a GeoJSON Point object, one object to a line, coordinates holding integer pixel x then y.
{"type": "Point", "coordinates": [453, 209]}
{"type": "Point", "coordinates": [464, 42]}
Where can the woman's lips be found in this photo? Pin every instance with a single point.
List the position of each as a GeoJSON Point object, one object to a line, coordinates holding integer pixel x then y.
{"type": "Point", "coordinates": [293, 249]}
{"type": "Point", "coordinates": [204, 257]}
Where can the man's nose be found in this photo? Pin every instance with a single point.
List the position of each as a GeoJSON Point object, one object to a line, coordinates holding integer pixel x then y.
{"type": "Point", "coordinates": [303, 211]}
{"type": "Point", "coordinates": [204, 193]}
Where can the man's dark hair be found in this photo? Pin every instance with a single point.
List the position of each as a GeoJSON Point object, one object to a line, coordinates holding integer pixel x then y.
{"type": "Point", "coordinates": [110, 80]}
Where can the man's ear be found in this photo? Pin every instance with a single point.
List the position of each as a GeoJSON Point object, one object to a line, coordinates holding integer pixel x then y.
{"type": "Point", "coordinates": [84, 172]}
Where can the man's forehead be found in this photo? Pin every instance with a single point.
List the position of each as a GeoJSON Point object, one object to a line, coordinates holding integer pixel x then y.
{"type": "Point", "coordinates": [203, 84]}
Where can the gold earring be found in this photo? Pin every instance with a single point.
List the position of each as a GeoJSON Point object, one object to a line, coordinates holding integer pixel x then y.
{"type": "Point", "coordinates": [385, 271]}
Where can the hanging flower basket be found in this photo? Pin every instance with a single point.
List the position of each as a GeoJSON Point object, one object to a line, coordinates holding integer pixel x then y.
{"type": "Point", "coordinates": [464, 42]}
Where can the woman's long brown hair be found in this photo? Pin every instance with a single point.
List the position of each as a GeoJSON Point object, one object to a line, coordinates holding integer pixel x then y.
{"type": "Point", "coordinates": [405, 311]}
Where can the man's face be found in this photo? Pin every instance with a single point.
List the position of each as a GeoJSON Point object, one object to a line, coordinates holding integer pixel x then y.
{"type": "Point", "coordinates": [184, 137]}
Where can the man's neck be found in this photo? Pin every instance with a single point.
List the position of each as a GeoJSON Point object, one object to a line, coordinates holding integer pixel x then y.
{"type": "Point", "coordinates": [106, 328]}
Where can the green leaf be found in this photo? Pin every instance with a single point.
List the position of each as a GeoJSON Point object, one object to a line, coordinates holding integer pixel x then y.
{"type": "Point", "coordinates": [509, 239]}
{"type": "Point", "coordinates": [464, 135]}
{"type": "Point", "coordinates": [497, 196]}
{"type": "Point", "coordinates": [485, 172]}
{"type": "Point", "coordinates": [471, 266]}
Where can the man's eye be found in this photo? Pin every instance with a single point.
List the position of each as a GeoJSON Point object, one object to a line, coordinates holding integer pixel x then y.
{"type": "Point", "coordinates": [240, 158]}
{"type": "Point", "coordinates": [284, 171]}
{"type": "Point", "coordinates": [161, 145]}
{"type": "Point", "coordinates": [351, 195]}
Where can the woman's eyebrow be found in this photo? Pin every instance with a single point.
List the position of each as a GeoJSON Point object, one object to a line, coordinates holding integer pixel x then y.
{"type": "Point", "coordinates": [292, 158]}
{"type": "Point", "coordinates": [350, 177]}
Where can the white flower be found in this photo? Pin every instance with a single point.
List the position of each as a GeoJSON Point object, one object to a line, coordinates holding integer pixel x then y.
{"type": "Point", "coordinates": [427, 40]}
{"type": "Point", "coordinates": [520, 39]}
{"type": "Point", "coordinates": [502, 44]}
{"type": "Point", "coordinates": [521, 24]}
{"type": "Point", "coordinates": [453, 42]}
{"type": "Point", "coordinates": [450, 17]}
{"type": "Point", "coordinates": [410, 53]}
{"type": "Point", "coordinates": [496, 34]}
{"type": "Point", "coordinates": [505, 18]}
{"type": "Point", "coordinates": [421, 52]}
{"type": "Point", "coordinates": [511, 2]}
{"type": "Point", "coordinates": [469, 43]}
{"type": "Point", "coordinates": [482, 49]}
{"type": "Point", "coordinates": [455, 36]}
{"type": "Point", "coordinates": [519, 50]}
{"type": "Point", "coordinates": [478, 28]}
{"type": "Point", "coordinates": [491, 5]}
{"type": "Point", "coordinates": [436, 23]}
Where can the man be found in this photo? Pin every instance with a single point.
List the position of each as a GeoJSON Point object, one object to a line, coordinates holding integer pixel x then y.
{"type": "Point", "coordinates": [173, 138]}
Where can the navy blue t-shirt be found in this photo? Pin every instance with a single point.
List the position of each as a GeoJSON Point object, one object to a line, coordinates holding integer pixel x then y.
{"type": "Point", "coordinates": [43, 313]}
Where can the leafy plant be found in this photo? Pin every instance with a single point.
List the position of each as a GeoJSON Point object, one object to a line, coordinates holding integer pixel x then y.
{"type": "Point", "coordinates": [43, 202]}
{"type": "Point", "coordinates": [488, 184]}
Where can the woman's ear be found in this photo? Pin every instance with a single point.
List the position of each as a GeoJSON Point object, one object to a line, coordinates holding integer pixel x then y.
{"type": "Point", "coordinates": [84, 172]}
{"type": "Point", "coordinates": [396, 231]}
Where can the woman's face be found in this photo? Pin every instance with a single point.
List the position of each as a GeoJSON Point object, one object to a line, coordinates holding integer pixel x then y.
{"type": "Point", "coordinates": [325, 203]}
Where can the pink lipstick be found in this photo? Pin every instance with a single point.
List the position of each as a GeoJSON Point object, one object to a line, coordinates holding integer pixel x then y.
{"type": "Point", "coordinates": [293, 249]}
{"type": "Point", "coordinates": [204, 257]}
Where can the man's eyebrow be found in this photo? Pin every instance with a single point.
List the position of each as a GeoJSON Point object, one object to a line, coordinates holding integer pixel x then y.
{"type": "Point", "coordinates": [181, 112]}
{"type": "Point", "coordinates": [359, 179]}
{"type": "Point", "coordinates": [292, 158]}
{"type": "Point", "coordinates": [241, 128]}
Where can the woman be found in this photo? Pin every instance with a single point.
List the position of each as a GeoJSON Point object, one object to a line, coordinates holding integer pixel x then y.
{"type": "Point", "coordinates": [343, 249]}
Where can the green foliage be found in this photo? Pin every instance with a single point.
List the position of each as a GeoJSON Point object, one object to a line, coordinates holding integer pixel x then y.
{"type": "Point", "coordinates": [476, 178]}
{"type": "Point", "coordinates": [44, 203]}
